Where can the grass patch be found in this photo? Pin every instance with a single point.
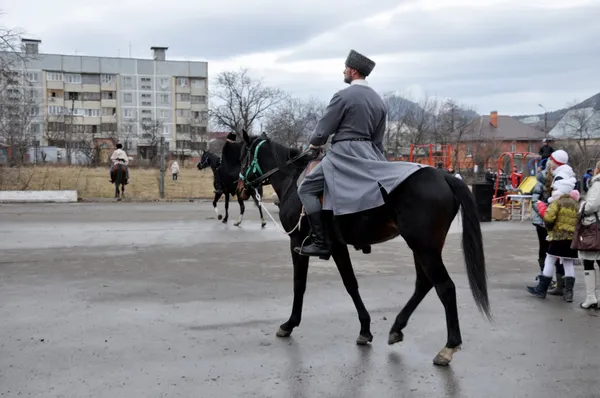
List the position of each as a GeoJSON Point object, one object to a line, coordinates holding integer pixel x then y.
{"type": "Point", "coordinates": [92, 183]}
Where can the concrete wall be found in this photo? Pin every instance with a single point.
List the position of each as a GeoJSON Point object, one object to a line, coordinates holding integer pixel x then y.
{"type": "Point", "coordinates": [38, 196]}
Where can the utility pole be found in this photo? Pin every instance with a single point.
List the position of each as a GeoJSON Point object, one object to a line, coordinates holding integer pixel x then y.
{"type": "Point", "coordinates": [545, 119]}
{"type": "Point", "coordinates": [162, 167]}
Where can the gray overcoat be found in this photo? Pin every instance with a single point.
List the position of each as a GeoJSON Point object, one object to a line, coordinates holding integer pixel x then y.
{"type": "Point", "coordinates": [353, 170]}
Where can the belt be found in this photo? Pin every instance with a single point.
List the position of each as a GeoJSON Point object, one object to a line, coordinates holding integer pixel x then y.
{"type": "Point", "coordinates": [352, 139]}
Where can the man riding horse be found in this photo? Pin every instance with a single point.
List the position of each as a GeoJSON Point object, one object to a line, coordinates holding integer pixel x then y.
{"type": "Point", "coordinates": [351, 175]}
{"type": "Point", "coordinates": [119, 156]}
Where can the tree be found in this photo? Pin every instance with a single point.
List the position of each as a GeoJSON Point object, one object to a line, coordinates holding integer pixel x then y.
{"type": "Point", "coordinates": [17, 100]}
{"type": "Point", "coordinates": [452, 124]}
{"type": "Point", "coordinates": [17, 110]}
{"type": "Point", "coordinates": [149, 142]}
{"type": "Point", "coordinates": [240, 100]}
{"type": "Point", "coordinates": [580, 128]}
{"type": "Point", "coordinates": [293, 118]}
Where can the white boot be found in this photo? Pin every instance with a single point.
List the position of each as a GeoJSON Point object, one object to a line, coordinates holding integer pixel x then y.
{"type": "Point", "coordinates": [591, 300]}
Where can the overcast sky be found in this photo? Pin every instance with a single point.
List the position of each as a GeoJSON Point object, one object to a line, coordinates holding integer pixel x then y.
{"type": "Point", "coordinates": [505, 55]}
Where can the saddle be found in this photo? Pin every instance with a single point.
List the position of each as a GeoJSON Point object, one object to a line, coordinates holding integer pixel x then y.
{"type": "Point", "coordinates": [365, 249]}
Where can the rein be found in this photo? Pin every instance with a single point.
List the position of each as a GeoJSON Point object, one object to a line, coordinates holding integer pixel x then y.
{"type": "Point", "coordinates": [255, 167]}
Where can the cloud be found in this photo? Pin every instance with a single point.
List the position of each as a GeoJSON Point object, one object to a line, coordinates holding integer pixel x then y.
{"type": "Point", "coordinates": [495, 54]}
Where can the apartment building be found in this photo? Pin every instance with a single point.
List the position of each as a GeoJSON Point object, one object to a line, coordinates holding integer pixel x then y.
{"type": "Point", "coordinates": [136, 101]}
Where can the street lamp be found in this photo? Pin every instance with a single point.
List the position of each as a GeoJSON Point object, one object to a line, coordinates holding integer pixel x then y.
{"type": "Point", "coordinates": [545, 118]}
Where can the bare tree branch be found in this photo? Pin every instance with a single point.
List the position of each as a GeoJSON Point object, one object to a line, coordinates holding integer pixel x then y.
{"type": "Point", "coordinates": [240, 100]}
{"type": "Point", "coordinates": [293, 118]}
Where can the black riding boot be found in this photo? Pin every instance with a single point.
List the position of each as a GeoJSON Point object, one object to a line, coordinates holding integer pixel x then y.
{"type": "Point", "coordinates": [318, 246]}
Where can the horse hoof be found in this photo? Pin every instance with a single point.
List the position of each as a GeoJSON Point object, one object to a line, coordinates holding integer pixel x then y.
{"type": "Point", "coordinates": [237, 224]}
{"type": "Point", "coordinates": [224, 221]}
{"type": "Point", "coordinates": [263, 225]}
{"type": "Point", "coordinates": [444, 357]}
{"type": "Point", "coordinates": [283, 333]}
{"type": "Point", "coordinates": [395, 337]}
{"type": "Point", "coordinates": [364, 340]}
{"type": "Point", "coordinates": [219, 217]}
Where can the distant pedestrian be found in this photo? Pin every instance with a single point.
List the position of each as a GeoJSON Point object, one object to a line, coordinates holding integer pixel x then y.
{"type": "Point", "coordinates": [175, 170]}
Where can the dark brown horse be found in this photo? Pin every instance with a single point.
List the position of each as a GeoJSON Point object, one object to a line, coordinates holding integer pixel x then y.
{"type": "Point", "coordinates": [420, 210]}
{"type": "Point", "coordinates": [118, 176]}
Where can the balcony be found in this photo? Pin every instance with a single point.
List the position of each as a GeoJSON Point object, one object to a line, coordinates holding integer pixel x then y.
{"type": "Point", "coordinates": [108, 103]}
{"type": "Point", "coordinates": [109, 119]}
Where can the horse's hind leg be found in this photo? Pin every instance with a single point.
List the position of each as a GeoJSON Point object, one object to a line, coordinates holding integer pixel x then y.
{"type": "Point", "coordinates": [123, 190]}
{"type": "Point", "coordinates": [422, 286]}
{"type": "Point", "coordinates": [344, 265]}
{"type": "Point", "coordinates": [433, 267]}
{"type": "Point", "coordinates": [226, 208]}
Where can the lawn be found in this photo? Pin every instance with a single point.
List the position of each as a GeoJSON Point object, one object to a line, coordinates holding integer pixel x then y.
{"type": "Point", "coordinates": [92, 183]}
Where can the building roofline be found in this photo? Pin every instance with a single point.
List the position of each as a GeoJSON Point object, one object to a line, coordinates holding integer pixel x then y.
{"type": "Point", "coordinates": [111, 57]}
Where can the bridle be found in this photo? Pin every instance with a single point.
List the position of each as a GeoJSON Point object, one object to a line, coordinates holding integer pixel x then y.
{"type": "Point", "coordinates": [263, 178]}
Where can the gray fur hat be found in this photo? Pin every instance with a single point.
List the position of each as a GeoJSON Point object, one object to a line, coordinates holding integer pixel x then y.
{"type": "Point", "coordinates": [359, 62]}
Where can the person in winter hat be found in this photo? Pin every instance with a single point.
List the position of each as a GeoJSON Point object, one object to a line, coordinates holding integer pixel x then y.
{"type": "Point", "coordinates": [541, 193]}
{"type": "Point", "coordinates": [563, 182]}
{"type": "Point", "coordinates": [560, 218]}
{"type": "Point", "coordinates": [591, 209]}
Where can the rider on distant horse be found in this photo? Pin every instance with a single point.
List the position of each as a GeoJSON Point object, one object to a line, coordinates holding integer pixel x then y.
{"type": "Point", "coordinates": [350, 176]}
{"type": "Point", "coordinates": [120, 156]}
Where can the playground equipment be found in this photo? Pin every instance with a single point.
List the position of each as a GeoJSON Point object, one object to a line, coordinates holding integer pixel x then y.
{"type": "Point", "coordinates": [431, 154]}
{"type": "Point", "coordinates": [511, 156]}
{"type": "Point", "coordinates": [516, 201]}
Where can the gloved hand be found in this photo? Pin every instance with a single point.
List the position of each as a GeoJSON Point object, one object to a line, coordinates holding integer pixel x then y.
{"type": "Point", "coordinates": [542, 207]}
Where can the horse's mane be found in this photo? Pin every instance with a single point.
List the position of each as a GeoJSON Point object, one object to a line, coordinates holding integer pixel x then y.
{"type": "Point", "coordinates": [282, 154]}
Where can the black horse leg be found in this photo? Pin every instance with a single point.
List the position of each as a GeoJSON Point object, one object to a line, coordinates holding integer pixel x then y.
{"type": "Point", "coordinates": [436, 271]}
{"type": "Point", "coordinates": [422, 286]}
{"type": "Point", "coordinates": [226, 208]}
{"type": "Point", "coordinates": [300, 276]}
{"type": "Point", "coordinates": [262, 218]}
{"type": "Point", "coordinates": [242, 210]}
{"type": "Point", "coordinates": [215, 201]}
{"type": "Point", "coordinates": [341, 256]}
{"type": "Point", "coordinates": [123, 190]}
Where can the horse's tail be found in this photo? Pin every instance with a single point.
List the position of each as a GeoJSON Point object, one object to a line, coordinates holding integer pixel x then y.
{"type": "Point", "coordinates": [472, 243]}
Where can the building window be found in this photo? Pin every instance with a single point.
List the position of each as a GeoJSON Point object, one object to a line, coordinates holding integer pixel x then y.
{"type": "Point", "coordinates": [73, 78]}
{"type": "Point", "coordinates": [109, 111]}
{"type": "Point", "coordinates": [183, 112]}
{"type": "Point", "coordinates": [54, 76]}
{"type": "Point", "coordinates": [107, 78]}
{"type": "Point", "coordinates": [199, 83]}
{"type": "Point", "coordinates": [128, 98]}
{"type": "Point", "coordinates": [127, 82]}
{"type": "Point", "coordinates": [31, 77]}
{"type": "Point", "coordinates": [198, 99]}
{"type": "Point", "coordinates": [469, 152]}
{"type": "Point", "coordinates": [183, 82]}
{"type": "Point", "coordinates": [164, 99]}
{"type": "Point", "coordinates": [513, 147]}
{"type": "Point", "coordinates": [163, 82]}
{"type": "Point", "coordinates": [530, 147]}
{"type": "Point", "coordinates": [128, 113]}
{"type": "Point", "coordinates": [183, 97]}
{"type": "Point", "coordinates": [164, 113]}
{"type": "Point", "coordinates": [108, 95]}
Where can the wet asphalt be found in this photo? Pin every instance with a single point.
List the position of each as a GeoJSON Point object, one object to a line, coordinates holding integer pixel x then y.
{"type": "Point", "coordinates": [163, 300]}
